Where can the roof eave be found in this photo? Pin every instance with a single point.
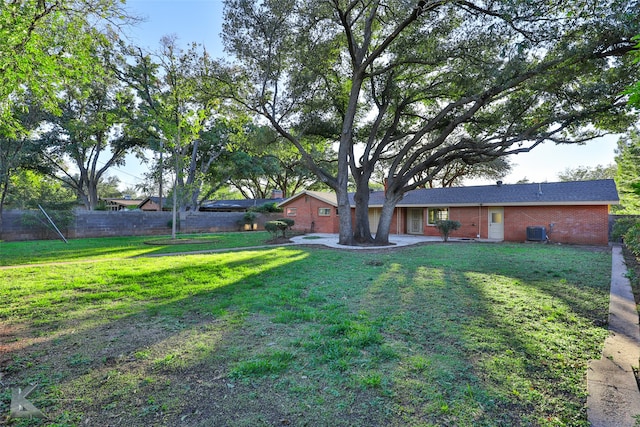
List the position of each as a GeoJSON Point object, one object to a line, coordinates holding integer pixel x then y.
{"type": "Point", "coordinates": [475, 204]}
{"type": "Point", "coordinates": [315, 195]}
{"type": "Point", "coordinates": [543, 203]}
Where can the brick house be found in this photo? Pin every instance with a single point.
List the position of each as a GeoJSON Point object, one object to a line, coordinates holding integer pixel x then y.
{"type": "Point", "coordinates": [153, 204]}
{"type": "Point", "coordinates": [313, 211]}
{"type": "Point", "coordinates": [562, 212]}
{"type": "Point", "coordinates": [120, 204]}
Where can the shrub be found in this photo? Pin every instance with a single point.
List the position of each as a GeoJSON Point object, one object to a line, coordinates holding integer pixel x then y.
{"type": "Point", "coordinates": [266, 208]}
{"type": "Point", "coordinates": [287, 221]}
{"type": "Point", "coordinates": [622, 226]}
{"type": "Point", "coordinates": [249, 217]}
{"type": "Point", "coordinates": [275, 227]}
{"type": "Point", "coordinates": [632, 239]}
{"type": "Point", "coordinates": [447, 226]}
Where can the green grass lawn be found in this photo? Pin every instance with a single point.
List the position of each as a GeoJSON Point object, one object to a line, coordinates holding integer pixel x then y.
{"type": "Point", "coordinates": [435, 335]}
{"type": "Point", "coordinates": [44, 251]}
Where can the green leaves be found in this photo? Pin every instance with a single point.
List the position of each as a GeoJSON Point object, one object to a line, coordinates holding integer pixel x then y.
{"type": "Point", "coordinates": [628, 173]}
{"type": "Point", "coordinates": [40, 47]}
{"type": "Point", "coordinates": [634, 90]}
{"type": "Point", "coordinates": [414, 91]}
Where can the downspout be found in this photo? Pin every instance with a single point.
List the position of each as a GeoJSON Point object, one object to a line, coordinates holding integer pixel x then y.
{"type": "Point", "coordinates": [479, 220]}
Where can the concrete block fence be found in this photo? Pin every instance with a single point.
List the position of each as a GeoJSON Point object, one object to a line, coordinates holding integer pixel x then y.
{"type": "Point", "coordinates": [122, 223]}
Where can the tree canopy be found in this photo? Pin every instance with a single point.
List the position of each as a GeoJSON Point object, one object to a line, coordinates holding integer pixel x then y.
{"type": "Point", "coordinates": [262, 161]}
{"type": "Point", "coordinates": [42, 41]}
{"type": "Point", "coordinates": [180, 112]}
{"type": "Point", "coordinates": [634, 90]}
{"type": "Point", "coordinates": [420, 85]}
{"type": "Point", "coordinates": [92, 129]}
{"type": "Point", "coordinates": [628, 173]}
{"type": "Point", "coordinates": [587, 173]}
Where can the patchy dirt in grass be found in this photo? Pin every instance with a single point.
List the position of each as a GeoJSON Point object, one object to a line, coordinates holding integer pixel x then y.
{"type": "Point", "coordinates": [147, 370]}
{"type": "Point", "coordinates": [279, 241]}
{"type": "Point", "coordinates": [180, 241]}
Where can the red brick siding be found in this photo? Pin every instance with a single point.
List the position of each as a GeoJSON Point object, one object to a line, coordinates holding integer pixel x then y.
{"type": "Point", "coordinates": [307, 218]}
{"type": "Point", "coordinates": [473, 221]}
{"type": "Point", "coordinates": [572, 224]}
{"type": "Point", "coordinates": [588, 225]}
{"type": "Point", "coordinates": [468, 218]}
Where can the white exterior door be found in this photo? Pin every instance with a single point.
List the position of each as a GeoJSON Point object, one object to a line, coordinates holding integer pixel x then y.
{"type": "Point", "coordinates": [415, 221]}
{"type": "Point", "coordinates": [496, 224]}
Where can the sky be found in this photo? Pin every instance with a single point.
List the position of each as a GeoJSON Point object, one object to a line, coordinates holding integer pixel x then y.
{"type": "Point", "coordinates": [201, 21]}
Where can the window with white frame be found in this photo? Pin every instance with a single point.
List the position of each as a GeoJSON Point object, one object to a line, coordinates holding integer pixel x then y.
{"type": "Point", "coordinates": [324, 211]}
{"type": "Point", "coordinates": [437, 214]}
{"type": "Point", "coordinates": [292, 211]}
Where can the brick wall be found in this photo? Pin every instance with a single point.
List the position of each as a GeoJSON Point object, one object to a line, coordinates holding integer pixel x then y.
{"type": "Point", "coordinates": [307, 218]}
{"type": "Point", "coordinates": [125, 223]}
{"type": "Point", "coordinates": [588, 225]}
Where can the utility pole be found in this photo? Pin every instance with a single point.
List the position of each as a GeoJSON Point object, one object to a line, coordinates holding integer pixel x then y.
{"type": "Point", "coordinates": [161, 174]}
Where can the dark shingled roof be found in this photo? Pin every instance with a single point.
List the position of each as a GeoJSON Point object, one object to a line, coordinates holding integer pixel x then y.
{"type": "Point", "coordinates": [237, 204]}
{"type": "Point", "coordinates": [597, 192]}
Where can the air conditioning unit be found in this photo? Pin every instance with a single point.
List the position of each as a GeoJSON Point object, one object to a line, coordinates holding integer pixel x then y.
{"type": "Point", "coordinates": [536, 233]}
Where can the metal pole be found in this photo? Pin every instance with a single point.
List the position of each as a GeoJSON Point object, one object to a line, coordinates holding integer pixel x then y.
{"type": "Point", "coordinates": [52, 223]}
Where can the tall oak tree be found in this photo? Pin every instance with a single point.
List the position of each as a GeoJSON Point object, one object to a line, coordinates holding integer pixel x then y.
{"type": "Point", "coordinates": [421, 84]}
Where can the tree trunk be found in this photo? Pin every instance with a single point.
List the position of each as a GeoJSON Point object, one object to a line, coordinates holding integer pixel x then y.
{"type": "Point", "coordinates": [161, 166]}
{"type": "Point", "coordinates": [92, 194]}
{"type": "Point", "coordinates": [192, 185]}
{"type": "Point", "coordinates": [3, 193]}
{"type": "Point", "coordinates": [194, 204]}
{"type": "Point", "coordinates": [176, 182]}
{"type": "Point", "coordinates": [362, 232]}
{"type": "Point", "coordinates": [342, 192]}
{"type": "Point", "coordinates": [384, 225]}
{"type": "Point", "coordinates": [344, 215]}
{"type": "Point", "coordinates": [344, 153]}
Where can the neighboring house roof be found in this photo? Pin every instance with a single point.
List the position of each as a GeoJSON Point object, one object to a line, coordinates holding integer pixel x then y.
{"type": "Point", "coordinates": [597, 192]}
{"type": "Point", "coordinates": [324, 196]}
{"type": "Point", "coordinates": [236, 205]}
{"type": "Point", "coordinates": [123, 202]}
{"type": "Point", "coordinates": [156, 201]}
{"type": "Point", "coordinates": [218, 205]}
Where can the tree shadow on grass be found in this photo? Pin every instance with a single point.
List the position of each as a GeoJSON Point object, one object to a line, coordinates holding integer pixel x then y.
{"type": "Point", "coordinates": [493, 345]}
{"type": "Point", "coordinates": [248, 339]}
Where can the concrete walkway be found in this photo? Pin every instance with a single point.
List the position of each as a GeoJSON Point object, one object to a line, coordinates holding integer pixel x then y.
{"type": "Point", "coordinates": [396, 240]}
{"type": "Point", "coordinates": [614, 399]}
{"type": "Point", "coordinates": [331, 240]}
